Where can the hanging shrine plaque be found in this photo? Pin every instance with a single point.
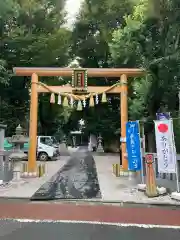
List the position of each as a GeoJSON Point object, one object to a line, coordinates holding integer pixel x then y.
{"type": "Point", "coordinates": [79, 81]}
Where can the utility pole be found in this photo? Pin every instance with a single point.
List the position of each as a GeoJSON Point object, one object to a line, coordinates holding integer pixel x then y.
{"type": "Point", "coordinates": [179, 105]}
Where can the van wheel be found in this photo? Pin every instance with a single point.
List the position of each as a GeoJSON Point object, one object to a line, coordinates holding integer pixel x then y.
{"type": "Point", "coordinates": [43, 156]}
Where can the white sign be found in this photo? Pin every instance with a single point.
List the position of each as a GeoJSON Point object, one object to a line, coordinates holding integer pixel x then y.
{"type": "Point", "coordinates": [165, 145]}
{"type": "Point", "coordinates": [123, 139]}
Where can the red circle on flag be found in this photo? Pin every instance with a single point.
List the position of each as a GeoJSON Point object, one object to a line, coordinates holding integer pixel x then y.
{"type": "Point", "coordinates": [163, 127]}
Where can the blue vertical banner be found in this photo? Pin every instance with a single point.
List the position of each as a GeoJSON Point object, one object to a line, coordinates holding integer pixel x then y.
{"type": "Point", "coordinates": [133, 146]}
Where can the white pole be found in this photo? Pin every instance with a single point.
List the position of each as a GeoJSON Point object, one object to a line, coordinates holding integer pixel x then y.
{"type": "Point", "coordinates": [144, 150]}
{"type": "Point", "coordinates": [177, 177]}
{"type": "Point", "coordinates": [176, 163]}
{"type": "Point", "coordinates": [142, 165]}
{"type": "Point", "coordinates": [179, 103]}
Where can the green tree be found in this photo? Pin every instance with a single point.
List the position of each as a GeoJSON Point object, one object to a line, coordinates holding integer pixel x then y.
{"type": "Point", "coordinates": [151, 42]}
{"type": "Point", "coordinates": [91, 35]}
{"type": "Point", "coordinates": [150, 39]}
{"type": "Point", "coordinates": [32, 34]}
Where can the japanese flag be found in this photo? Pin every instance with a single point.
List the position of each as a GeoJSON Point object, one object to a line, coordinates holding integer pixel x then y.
{"type": "Point", "coordinates": [165, 145]}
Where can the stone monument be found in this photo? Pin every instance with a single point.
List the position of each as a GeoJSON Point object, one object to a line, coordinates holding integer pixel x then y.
{"type": "Point", "coordinates": [92, 144]}
{"type": "Point", "coordinates": [63, 147]}
{"type": "Point", "coordinates": [100, 146]}
{"type": "Point", "coordinates": [2, 133]}
{"type": "Point", "coordinates": [74, 141]}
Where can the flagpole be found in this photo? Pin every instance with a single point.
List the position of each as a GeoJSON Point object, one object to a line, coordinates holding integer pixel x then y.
{"type": "Point", "coordinates": [176, 162]}
{"type": "Point", "coordinates": [177, 177]}
{"type": "Point", "coordinates": [142, 163]}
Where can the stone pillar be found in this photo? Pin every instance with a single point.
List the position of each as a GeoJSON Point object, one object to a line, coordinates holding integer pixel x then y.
{"type": "Point", "coordinates": [2, 133]}
{"type": "Point", "coordinates": [74, 141]}
{"type": "Point", "coordinates": [63, 147]}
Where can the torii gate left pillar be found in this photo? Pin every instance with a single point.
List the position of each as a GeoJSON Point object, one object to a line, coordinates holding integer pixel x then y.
{"type": "Point", "coordinates": [124, 119]}
{"type": "Point", "coordinates": [32, 168]}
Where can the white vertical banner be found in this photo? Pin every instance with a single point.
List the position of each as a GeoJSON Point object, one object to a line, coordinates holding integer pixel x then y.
{"type": "Point", "coordinates": [165, 145]}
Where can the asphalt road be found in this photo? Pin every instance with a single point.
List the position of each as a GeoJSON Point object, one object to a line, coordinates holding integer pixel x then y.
{"type": "Point", "coordinates": [10, 230]}
{"type": "Point", "coordinates": [51, 221]}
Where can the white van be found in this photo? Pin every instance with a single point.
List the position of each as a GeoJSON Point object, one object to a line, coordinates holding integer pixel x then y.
{"type": "Point", "coordinates": [47, 148]}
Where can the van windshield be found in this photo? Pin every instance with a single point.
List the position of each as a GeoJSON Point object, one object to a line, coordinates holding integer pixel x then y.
{"type": "Point", "coordinates": [54, 140]}
{"type": "Point", "coordinates": [50, 141]}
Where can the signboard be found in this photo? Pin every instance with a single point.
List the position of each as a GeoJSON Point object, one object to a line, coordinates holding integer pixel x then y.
{"type": "Point", "coordinates": [165, 145]}
{"type": "Point", "coordinates": [79, 79]}
{"type": "Point", "coordinates": [133, 146]}
{"type": "Point", "coordinates": [149, 158]}
{"type": "Point", "coordinates": [163, 116]}
{"type": "Point", "coordinates": [151, 188]}
{"type": "Point", "coordinates": [122, 139]}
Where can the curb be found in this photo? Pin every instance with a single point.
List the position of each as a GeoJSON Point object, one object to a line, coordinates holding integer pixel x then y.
{"type": "Point", "coordinates": [93, 202]}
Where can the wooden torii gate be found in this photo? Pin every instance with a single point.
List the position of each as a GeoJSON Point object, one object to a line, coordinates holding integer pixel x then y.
{"type": "Point", "coordinates": [35, 73]}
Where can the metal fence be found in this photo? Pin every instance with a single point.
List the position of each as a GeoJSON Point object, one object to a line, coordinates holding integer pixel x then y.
{"type": "Point", "coordinates": [6, 167]}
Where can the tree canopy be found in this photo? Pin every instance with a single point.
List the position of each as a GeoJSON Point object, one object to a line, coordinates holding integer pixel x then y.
{"type": "Point", "coordinates": [107, 33]}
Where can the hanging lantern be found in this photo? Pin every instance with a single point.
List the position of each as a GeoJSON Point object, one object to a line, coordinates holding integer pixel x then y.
{"type": "Point", "coordinates": [84, 103]}
{"type": "Point", "coordinates": [52, 98]}
{"type": "Point", "coordinates": [59, 99]}
{"type": "Point", "coordinates": [104, 99]}
{"type": "Point", "coordinates": [79, 106]}
{"type": "Point", "coordinates": [91, 101]}
{"type": "Point", "coordinates": [97, 99]}
{"type": "Point", "coordinates": [65, 102]}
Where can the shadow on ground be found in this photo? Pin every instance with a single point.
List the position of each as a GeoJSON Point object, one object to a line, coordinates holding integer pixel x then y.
{"type": "Point", "coordinates": [77, 179]}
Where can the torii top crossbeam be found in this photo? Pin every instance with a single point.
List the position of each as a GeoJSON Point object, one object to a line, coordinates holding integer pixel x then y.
{"type": "Point", "coordinates": [67, 72]}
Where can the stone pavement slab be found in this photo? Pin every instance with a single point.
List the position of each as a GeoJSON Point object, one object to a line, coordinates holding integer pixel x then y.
{"type": "Point", "coordinates": [25, 188]}
{"type": "Point", "coordinates": [72, 149]}
{"type": "Point", "coordinates": [113, 189]}
{"type": "Point", "coordinates": [121, 189]}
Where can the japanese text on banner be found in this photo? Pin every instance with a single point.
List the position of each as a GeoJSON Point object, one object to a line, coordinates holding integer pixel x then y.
{"type": "Point", "coordinates": [133, 146]}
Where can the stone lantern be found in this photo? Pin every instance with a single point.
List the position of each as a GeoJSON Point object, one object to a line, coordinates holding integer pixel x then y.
{"type": "Point", "coordinates": [18, 141]}
{"type": "Point", "coordinates": [100, 146]}
{"type": "Point", "coordinates": [19, 130]}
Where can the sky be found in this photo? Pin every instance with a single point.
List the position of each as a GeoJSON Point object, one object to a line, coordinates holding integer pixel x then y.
{"type": "Point", "coordinates": [72, 7]}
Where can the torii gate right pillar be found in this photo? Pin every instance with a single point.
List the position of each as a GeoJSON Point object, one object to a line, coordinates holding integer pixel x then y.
{"type": "Point", "coordinates": [124, 119]}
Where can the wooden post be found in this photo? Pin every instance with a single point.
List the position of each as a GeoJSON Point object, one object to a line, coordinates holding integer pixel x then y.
{"type": "Point", "coordinates": [151, 188]}
{"type": "Point", "coordinates": [124, 119]}
{"type": "Point", "coordinates": [32, 168]}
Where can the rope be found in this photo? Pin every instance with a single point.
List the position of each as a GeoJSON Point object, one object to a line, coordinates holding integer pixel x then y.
{"type": "Point", "coordinates": [77, 97]}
